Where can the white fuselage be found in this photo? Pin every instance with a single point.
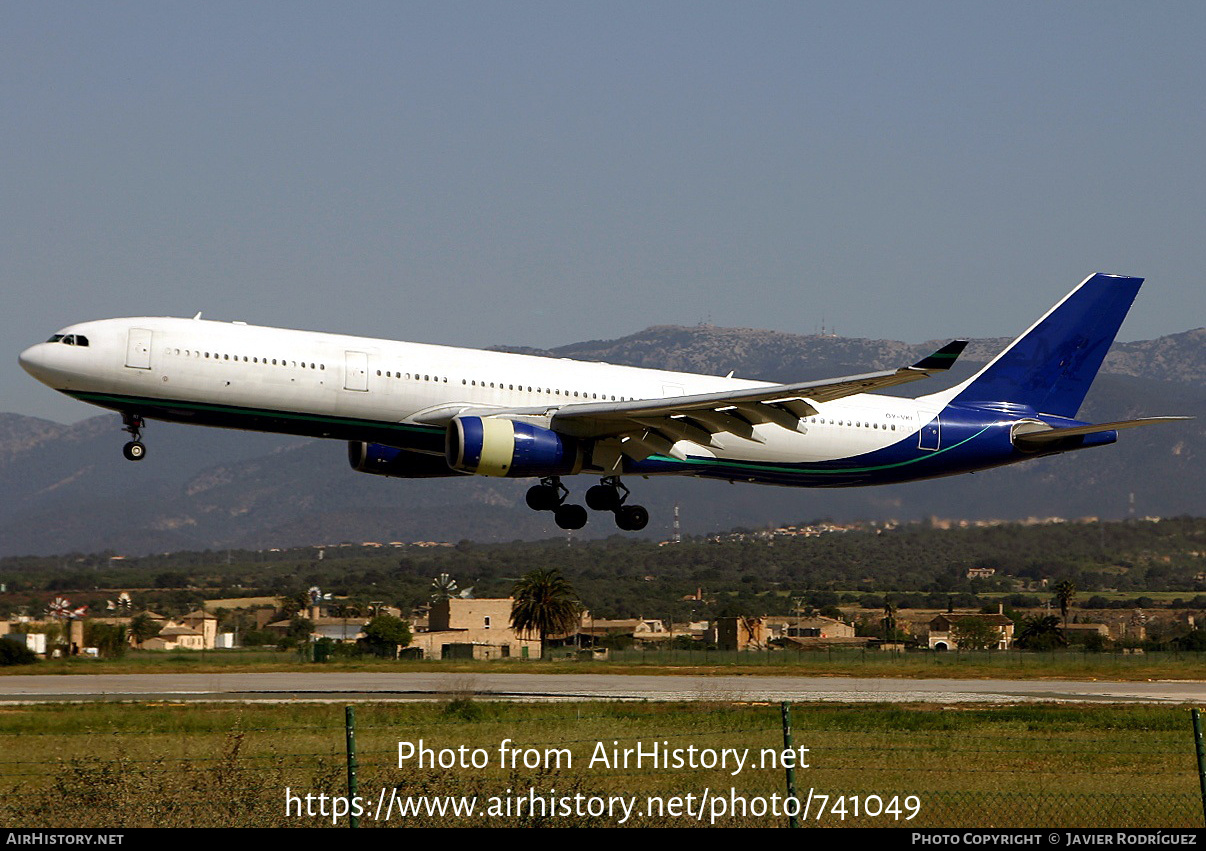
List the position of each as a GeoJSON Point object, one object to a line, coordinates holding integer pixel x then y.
{"type": "Point", "coordinates": [246, 368]}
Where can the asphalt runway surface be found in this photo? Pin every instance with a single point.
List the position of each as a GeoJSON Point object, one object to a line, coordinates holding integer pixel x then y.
{"type": "Point", "coordinates": [344, 687]}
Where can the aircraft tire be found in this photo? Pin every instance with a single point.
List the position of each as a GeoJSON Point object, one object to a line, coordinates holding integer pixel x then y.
{"type": "Point", "coordinates": [570, 516]}
{"type": "Point", "coordinates": [603, 498]}
{"type": "Point", "coordinates": [542, 498]}
{"type": "Point", "coordinates": [632, 518]}
{"type": "Point", "coordinates": [134, 451]}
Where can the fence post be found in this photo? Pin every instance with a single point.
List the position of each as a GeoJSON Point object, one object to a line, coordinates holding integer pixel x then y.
{"type": "Point", "coordinates": [792, 821]}
{"type": "Point", "coordinates": [349, 724]}
{"type": "Point", "coordinates": [1201, 748]}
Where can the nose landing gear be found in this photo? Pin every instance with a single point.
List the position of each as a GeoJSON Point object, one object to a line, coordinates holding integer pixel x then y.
{"type": "Point", "coordinates": [134, 450]}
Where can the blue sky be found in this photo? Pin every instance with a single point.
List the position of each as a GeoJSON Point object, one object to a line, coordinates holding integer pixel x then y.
{"type": "Point", "coordinates": [542, 173]}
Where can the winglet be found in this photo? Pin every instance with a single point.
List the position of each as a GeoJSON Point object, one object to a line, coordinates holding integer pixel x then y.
{"type": "Point", "coordinates": [942, 359]}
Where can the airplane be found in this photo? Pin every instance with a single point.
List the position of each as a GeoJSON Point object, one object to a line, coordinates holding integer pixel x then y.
{"type": "Point", "coordinates": [413, 410]}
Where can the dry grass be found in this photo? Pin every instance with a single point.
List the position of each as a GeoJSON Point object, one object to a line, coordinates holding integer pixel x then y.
{"type": "Point", "coordinates": [132, 765]}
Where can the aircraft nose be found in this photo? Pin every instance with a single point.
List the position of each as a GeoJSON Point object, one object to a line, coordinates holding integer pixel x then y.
{"type": "Point", "coordinates": [33, 361]}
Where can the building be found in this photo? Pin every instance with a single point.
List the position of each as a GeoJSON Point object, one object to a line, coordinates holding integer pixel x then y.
{"type": "Point", "coordinates": [639, 629]}
{"type": "Point", "coordinates": [473, 628]}
{"type": "Point", "coordinates": [176, 637]}
{"type": "Point", "coordinates": [205, 623]}
{"type": "Point", "coordinates": [741, 633]}
{"type": "Point", "coordinates": [816, 626]}
{"type": "Point", "coordinates": [944, 629]}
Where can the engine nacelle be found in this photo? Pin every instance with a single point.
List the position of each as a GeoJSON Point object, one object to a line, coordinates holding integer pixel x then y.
{"type": "Point", "coordinates": [501, 447]}
{"type": "Point", "coordinates": [400, 463]}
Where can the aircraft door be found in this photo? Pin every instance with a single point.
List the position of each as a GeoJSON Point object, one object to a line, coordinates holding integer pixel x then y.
{"type": "Point", "coordinates": [930, 436]}
{"type": "Point", "coordinates": [138, 348]}
{"type": "Point", "coordinates": [355, 373]}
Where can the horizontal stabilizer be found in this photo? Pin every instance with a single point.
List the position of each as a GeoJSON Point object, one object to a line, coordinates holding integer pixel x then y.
{"type": "Point", "coordinates": [1036, 440]}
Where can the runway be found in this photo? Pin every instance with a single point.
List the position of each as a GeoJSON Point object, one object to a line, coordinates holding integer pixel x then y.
{"type": "Point", "coordinates": [343, 687]}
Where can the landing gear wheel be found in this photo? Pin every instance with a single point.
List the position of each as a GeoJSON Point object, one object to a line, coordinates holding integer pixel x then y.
{"type": "Point", "coordinates": [547, 495]}
{"type": "Point", "coordinates": [570, 516]}
{"type": "Point", "coordinates": [603, 498]}
{"type": "Point", "coordinates": [632, 518]}
{"type": "Point", "coordinates": [543, 498]}
{"type": "Point", "coordinates": [134, 450]}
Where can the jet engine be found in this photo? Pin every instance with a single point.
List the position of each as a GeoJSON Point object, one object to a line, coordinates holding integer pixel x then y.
{"type": "Point", "coordinates": [400, 463]}
{"type": "Point", "coordinates": [501, 447]}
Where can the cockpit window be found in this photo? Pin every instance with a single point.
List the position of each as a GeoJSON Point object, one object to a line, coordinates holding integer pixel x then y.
{"type": "Point", "coordinates": [55, 338]}
{"type": "Point", "coordinates": [81, 340]}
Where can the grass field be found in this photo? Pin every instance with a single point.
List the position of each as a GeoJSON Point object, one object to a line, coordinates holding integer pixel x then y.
{"type": "Point", "coordinates": [156, 764]}
{"type": "Point", "coordinates": [1072, 664]}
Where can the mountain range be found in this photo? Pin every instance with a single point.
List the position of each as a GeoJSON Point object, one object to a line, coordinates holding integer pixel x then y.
{"type": "Point", "coordinates": [66, 488]}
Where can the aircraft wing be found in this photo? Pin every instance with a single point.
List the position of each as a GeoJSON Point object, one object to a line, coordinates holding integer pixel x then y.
{"type": "Point", "coordinates": [648, 426]}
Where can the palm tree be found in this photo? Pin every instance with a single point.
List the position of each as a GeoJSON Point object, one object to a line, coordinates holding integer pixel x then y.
{"type": "Point", "coordinates": [1064, 592]}
{"type": "Point", "coordinates": [544, 603]}
{"type": "Point", "coordinates": [1040, 633]}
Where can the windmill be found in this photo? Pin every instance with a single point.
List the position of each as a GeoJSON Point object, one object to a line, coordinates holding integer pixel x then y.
{"type": "Point", "coordinates": [444, 588]}
{"type": "Point", "coordinates": [60, 609]}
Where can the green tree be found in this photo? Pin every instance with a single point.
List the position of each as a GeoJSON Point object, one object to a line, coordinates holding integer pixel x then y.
{"type": "Point", "coordinates": [1040, 632]}
{"type": "Point", "coordinates": [1065, 591]}
{"type": "Point", "coordinates": [384, 634]}
{"type": "Point", "coordinates": [974, 634]}
{"type": "Point", "coordinates": [144, 626]}
{"type": "Point", "coordinates": [545, 603]}
{"type": "Point", "coordinates": [298, 632]}
{"type": "Point", "coordinates": [108, 639]}
{"type": "Point", "coordinates": [15, 653]}
{"type": "Point", "coordinates": [889, 620]}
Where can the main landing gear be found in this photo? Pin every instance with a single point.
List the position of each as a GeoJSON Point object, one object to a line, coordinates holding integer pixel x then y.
{"type": "Point", "coordinates": [609, 495]}
{"type": "Point", "coordinates": [134, 450]}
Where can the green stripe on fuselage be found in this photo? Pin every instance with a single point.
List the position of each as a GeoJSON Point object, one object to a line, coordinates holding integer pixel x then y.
{"type": "Point", "coordinates": [236, 413]}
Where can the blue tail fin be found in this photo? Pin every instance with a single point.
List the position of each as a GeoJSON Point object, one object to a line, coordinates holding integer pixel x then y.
{"type": "Point", "coordinates": [1050, 367]}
